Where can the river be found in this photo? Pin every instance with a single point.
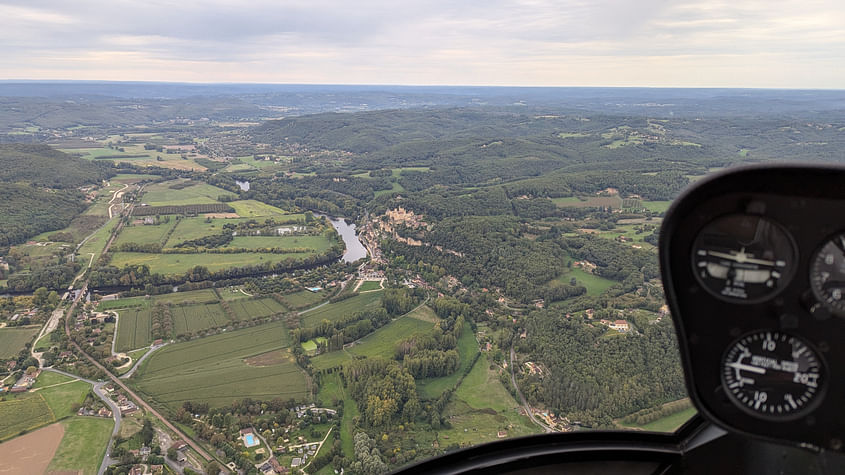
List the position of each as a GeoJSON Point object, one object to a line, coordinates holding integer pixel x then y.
{"type": "Point", "coordinates": [354, 249]}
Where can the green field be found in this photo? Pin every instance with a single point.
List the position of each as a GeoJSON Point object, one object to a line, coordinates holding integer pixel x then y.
{"type": "Point", "coordinates": [191, 296]}
{"type": "Point", "coordinates": [467, 348]}
{"type": "Point", "coordinates": [252, 362]}
{"type": "Point", "coordinates": [340, 310]}
{"type": "Point", "coordinates": [160, 194]}
{"type": "Point", "coordinates": [255, 209]}
{"type": "Point", "coordinates": [669, 423]}
{"type": "Point", "coordinates": [122, 303]}
{"type": "Point", "coordinates": [133, 329]}
{"type": "Point", "coordinates": [49, 378]}
{"type": "Point", "coordinates": [595, 285]}
{"type": "Point", "coordinates": [83, 446]}
{"type": "Point", "coordinates": [97, 242]}
{"type": "Point", "coordinates": [195, 318]}
{"type": "Point", "coordinates": [305, 298]}
{"type": "Point", "coordinates": [144, 233]}
{"type": "Point", "coordinates": [27, 411]}
{"type": "Point", "coordinates": [382, 342]}
{"type": "Point", "coordinates": [14, 339]}
{"type": "Point", "coordinates": [657, 206]}
{"type": "Point", "coordinates": [368, 285]}
{"type": "Point", "coordinates": [181, 263]}
{"type": "Point", "coordinates": [319, 243]}
{"type": "Point", "coordinates": [311, 345]}
{"type": "Point", "coordinates": [481, 407]}
{"type": "Point", "coordinates": [588, 202]}
{"type": "Point", "coordinates": [248, 309]}
{"type": "Point", "coordinates": [195, 228]}
{"type": "Point", "coordinates": [23, 413]}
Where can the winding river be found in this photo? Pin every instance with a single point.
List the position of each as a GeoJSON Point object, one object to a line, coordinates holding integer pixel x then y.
{"type": "Point", "coordinates": [354, 249]}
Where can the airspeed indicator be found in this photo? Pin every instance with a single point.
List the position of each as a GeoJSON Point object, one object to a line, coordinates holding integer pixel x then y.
{"type": "Point", "coordinates": [772, 375]}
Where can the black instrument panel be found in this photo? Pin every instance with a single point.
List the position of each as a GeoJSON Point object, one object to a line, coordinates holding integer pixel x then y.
{"type": "Point", "coordinates": [753, 263]}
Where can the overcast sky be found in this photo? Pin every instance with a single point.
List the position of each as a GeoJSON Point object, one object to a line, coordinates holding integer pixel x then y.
{"type": "Point", "coordinates": [745, 43]}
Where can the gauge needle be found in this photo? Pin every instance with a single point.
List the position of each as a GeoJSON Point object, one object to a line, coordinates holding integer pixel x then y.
{"type": "Point", "coordinates": [741, 257]}
{"type": "Point", "coordinates": [745, 367]}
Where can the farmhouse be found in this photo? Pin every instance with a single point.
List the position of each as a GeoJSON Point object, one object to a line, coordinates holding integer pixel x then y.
{"type": "Point", "coordinates": [620, 326]}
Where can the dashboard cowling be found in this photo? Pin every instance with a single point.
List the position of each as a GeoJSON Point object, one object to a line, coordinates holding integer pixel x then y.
{"type": "Point", "coordinates": [733, 349]}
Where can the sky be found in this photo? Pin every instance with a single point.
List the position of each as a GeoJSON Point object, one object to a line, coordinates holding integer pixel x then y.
{"type": "Point", "coordinates": [659, 43]}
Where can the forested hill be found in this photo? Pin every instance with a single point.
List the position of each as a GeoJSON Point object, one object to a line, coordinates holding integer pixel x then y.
{"type": "Point", "coordinates": [39, 190]}
{"type": "Point", "coordinates": [41, 165]}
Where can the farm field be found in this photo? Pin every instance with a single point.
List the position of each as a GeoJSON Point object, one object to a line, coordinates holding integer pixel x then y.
{"type": "Point", "coordinates": [49, 378]}
{"type": "Point", "coordinates": [431, 388]}
{"type": "Point", "coordinates": [31, 453]}
{"type": "Point", "coordinates": [595, 284]}
{"type": "Point", "coordinates": [368, 285]}
{"type": "Point", "coordinates": [588, 202]}
{"type": "Point", "coordinates": [191, 296]}
{"type": "Point", "coordinates": [181, 263]}
{"type": "Point", "coordinates": [83, 445]}
{"type": "Point", "coordinates": [382, 342]}
{"type": "Point", "coordinates": [341, 310]}
{"type": "Point", "coordinates": [317, 243]}
{"type": "Point", "coordinates": [122, 303]}
{"type": "Point", "coordinates": [247, 309]}
{"type": "Point", "coordinates": [196, 227]}
{"type": "Point", "coordinates": [23, 413]}
{"type": "Point", "coordinates": [97, 242]}
{"type": "Point", "coordinates": [255, 209]}
{"type": "Point", "coordinates": [133, 328]}
{"type": "Point", "coordinates": [144, 233]}
{"type": "Point", "coordinates": [305, 298]}
{"type": "Point", "coordinates": [232, 293]}
{"type": "Point", "coordinates": [482, 407]}
{"type": "Point", "coordinates": [195, 318]}
{"type": "Point", "coordinates": [61, 398]}
{"type": "Point", "coordinates": [13, 339]}
{"type": "Point", "coordinates": [160, 194]}
{"type": "Point", "coordinates": [657, 206]}
{"type": "Point", "coordinates": [253, 362]}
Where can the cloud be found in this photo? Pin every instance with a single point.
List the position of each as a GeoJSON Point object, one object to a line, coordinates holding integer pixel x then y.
{"type": "Point", "coordinates": [527, 42]}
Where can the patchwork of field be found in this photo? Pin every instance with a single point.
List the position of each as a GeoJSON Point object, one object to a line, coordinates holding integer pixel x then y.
{"type": "Point", "coordinates": [26, 411]}
{"type": "Point", "coordinates": [341, 310]}
{"type": "Point", "coordinates": [14, 339]}
{"type": "Point", "coordinates": [83, 445]}
{"type": "Point", "coordinates": [181, 263]}
{"type": "Point", "coordinates": [224, 367]}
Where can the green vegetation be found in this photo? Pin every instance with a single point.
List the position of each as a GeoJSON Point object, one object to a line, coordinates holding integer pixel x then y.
{"type": "Point", "coordinates": [316, 243]}
{"type": "Point", "coordinates": [368, 285]}
{"type": "Point", "coordinates": [340, 310]}
{"type": "Point", "coordinates": [134, 329]}
{"type": "Point", "coordinates": [255, 209]}
{"type": "Point", "coordinates": [305, 298]}
{"type": "Point", "coordinates": [248, 309]}
{"type": "Point", "coordinates": [12, 340]}
{"type": "Point", "coordinates": [23, 413]}
{"type": "Point", "coordinates": [83, 445]}
{"type": "Point", "coordinates": [670, 423]}
{"type": "Point", "coordinates": [595, 285]}
{"type": "Point", "coordinates": [196, 318]}
{"type": "Point", "coordinates": [432, 388]}
{"type": "Point", "coordinates": [168, 264]}
{"type": "Point", "coordinates": [165, 194]}
{"type": "Point", "coordinates": [382, 342]}
{"type": "Point", "coordinates": [252, 362]}
{"type": "Point", "coordinates": [657, 206]}
{"type": "Point", "coordinates": [49, 378]}
{"type": "Point", "coordinates": [61, 398]}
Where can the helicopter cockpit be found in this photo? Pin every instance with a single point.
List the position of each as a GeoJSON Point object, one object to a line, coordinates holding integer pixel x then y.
{"type": "Point", "coordinates": [753, 265]}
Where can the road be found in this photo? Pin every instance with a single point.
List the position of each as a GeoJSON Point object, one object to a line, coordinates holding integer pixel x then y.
{"type": "Point", "coordinates": [98, 390]}
{"type": "Point", "coordinates": [522, 398]}
{"type": "Point", "coordinates": [129, 373]}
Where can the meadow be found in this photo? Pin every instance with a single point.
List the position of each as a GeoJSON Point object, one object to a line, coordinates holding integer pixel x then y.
{"type": "Point", "coordinates": [595, 284]}
{"type": "Point", "coordinates": [253, 362]}
{"type": "Point", "coordinates": [340, 310]}
{"type": "Point", "coordinates": [181, 263]}
{"type": "Point", "coordinates": [14, 339]}
{"type": "Point", "coordinates": [318, 244]}
{"type": "Point", "coordinates": [161, 194]}
{"type": "Point", "coordinates": [83, 445]}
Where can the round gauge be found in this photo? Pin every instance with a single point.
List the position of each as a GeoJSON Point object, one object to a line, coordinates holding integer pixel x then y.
{"type": "Point", "coordinates": [827, 275]}
{"type": "Point", "coordinates": [743, 258]}
{"type": "Point", "coordinates": [772, 375]}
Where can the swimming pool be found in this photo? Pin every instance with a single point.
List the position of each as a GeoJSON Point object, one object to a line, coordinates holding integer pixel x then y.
{"type": "Point", "coordinates": [249, 440]}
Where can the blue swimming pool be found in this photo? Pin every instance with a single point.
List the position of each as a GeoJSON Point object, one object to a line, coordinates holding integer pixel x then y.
{"type": "Point", "coordinates": [249, 440]}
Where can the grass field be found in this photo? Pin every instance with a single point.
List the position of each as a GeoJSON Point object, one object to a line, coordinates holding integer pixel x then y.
{"type": "Point", "coordinates": [305, 298]}
{"type": "Point", "coordinates": [160, 194]}
{"type": "Point", "coordinates": [255, 209]}
{"type": "Point", "coordinates": [196, 318]}
{"type": "Point", "coordinates": [669, 423]}
{"type": "Point", "coordinates": [595, 285]}
{"type": "Point", "coordinates": [657, 206]}
{"type": "Point", "coordinates": [467, 348]}
{"type": "Point", "coordinates": [49, 378]}
{"type": "Point", "coordinates": [382, 342]}
{"type": "Point", "coordinates": [252, 362]}
{"type": "Point", "coordinates": [247, 309]}
{"type": "Point", "coordinates": [133, 328]}
{"type": "Point", "coordinates": [369, 285]}
{"type": "Point", "coordinates": [197, 227]}
{"type": "Point", "coordinates": [181, 263]}
{"type": "Point", "coordinates": [144, 233]}
{"type": "Point", "coordinates": [23, 413]}
{"type": "Point", "coordinates": [60, 398]}
{"type": "Point", "coordinates": [342, 309]}
{"type": "Point", "coordinates": [14, 339]}
{"type": "Point", "coordinates": [122, 303]}
{"type": "Point", "coordinates": [83, 446]}
{"type": "Point", "coordinates": [319, 243]}
{"type": "Point", "coordinates": [588, 202]}
{"type": "Point", "coordinates": [191, 296]}
{"type": "Point", "coordinates": [311, 345]}
{"type": "Point", "coordinates": [97, 242]}
{"type": "Point", "coordinates": [482, 407]}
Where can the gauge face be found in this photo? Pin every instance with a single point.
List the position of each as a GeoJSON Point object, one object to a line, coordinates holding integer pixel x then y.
{"type": "Point", "coordinates": [743, 258]}
{"type": "Point", "coordinates": [827, 275]}
{"type": "Point", "coordinates": [772, 375]}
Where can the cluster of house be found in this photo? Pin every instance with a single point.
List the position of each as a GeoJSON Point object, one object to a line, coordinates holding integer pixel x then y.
{"type": "Point", "coordinates": [561, 424]}
{"type": "Point", "coordinates": [142, 469]}
{"type": "Point", "coordinates": [24, 383]}
{"type": "Point", "coordinates": [102, 412]}
{"type": "Point", "coordinates": [125, 405]}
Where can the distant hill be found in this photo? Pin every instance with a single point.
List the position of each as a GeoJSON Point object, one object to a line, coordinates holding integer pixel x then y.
{"type": "Point", "coordinates": [41, 165]}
